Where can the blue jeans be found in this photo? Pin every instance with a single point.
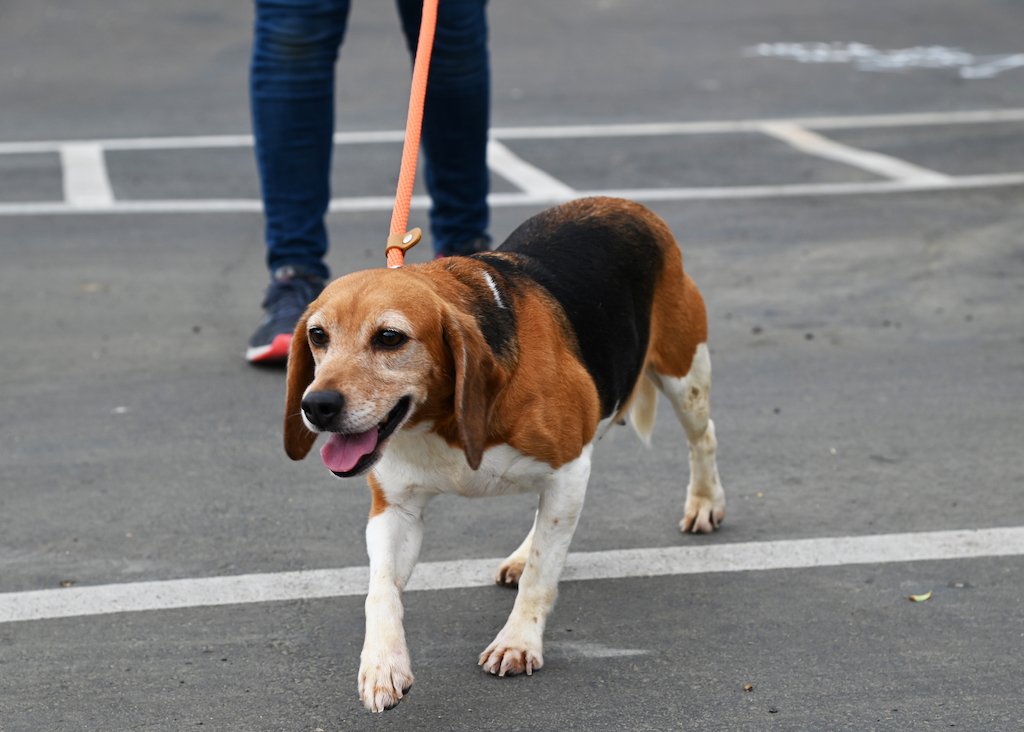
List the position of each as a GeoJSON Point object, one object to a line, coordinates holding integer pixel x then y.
{"type": "Point", "coordinates": [292, 95]}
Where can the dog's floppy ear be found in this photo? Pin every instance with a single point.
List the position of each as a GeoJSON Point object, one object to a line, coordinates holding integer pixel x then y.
{"type": "Point", "coordinates": [478, 381]}
{"type": "Point", "coordinates": [298, 439]}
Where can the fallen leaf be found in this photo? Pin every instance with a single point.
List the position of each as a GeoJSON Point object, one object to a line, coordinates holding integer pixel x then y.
{"type": "Point", "coordinates": [921, 598]}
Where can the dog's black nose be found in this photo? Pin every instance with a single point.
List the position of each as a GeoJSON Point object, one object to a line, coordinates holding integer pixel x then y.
{"type": "Point", "coordinates": [321, 407]}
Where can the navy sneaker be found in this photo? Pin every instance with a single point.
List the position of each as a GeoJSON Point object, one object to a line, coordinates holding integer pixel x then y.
{"type": "Point", "coordinates": [291, 290]}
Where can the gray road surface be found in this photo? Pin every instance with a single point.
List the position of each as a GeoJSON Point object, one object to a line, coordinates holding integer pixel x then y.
{"type": "Point", "coordinates": [868, 357]}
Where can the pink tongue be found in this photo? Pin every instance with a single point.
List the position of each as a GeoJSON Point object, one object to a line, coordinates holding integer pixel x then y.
{"type": "Point", "coordinates": [341, 452]}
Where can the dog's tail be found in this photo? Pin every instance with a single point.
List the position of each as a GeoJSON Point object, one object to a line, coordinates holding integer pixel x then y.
{"type": "Point", "coordinates": [644, 409]}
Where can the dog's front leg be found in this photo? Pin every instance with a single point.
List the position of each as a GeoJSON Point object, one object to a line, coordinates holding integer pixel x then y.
{"type": "Point", "coordinates": [393, 540]}
{"type": "Point", "coordinates": [519, 645]}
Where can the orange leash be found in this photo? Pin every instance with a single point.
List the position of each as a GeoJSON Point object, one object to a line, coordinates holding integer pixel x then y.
{"type": "Point", "coordinates": [400, 240]}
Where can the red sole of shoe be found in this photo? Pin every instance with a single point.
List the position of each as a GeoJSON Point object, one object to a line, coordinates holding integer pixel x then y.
{"type": "Point", "coordinates": [276, 352]}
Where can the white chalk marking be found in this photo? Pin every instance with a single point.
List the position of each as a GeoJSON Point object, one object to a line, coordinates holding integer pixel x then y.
{"type": "Point", "coordinates": [527, 177]}
{"type": "Point", "coordinates": [989, 69]}
{"type": "Point", "coordinates": [572, 651]}
{"type": "Point", "coordinates": [460, 574]}
{"type": "Point", "coordinates": [84, 169]}
{"type": "Point", "coordinates": [867, 58]}
{"type": "Point", "coordinates": [886, 166]}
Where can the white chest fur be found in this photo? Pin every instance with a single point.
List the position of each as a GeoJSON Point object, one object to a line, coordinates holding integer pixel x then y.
{"type": "Point", "coordinates": [419, 461]}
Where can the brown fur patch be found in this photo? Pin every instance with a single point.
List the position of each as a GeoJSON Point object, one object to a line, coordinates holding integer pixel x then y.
{"type": "Point", "coordinates": [298, 440]}
{"type": "Point", "coordinates": [679, 321]}
{"type": "Point", "coordinates": [550, 409]}
{"type": "Point", "coordinates": [547, 408]}
{"type": "Point", "coordinates": [380, 502]}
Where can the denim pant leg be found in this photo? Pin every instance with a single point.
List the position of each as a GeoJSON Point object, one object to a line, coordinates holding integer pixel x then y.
{"type": "Point", "coordinates": [295, 47]}
{"type": "Point", "coordinates": [455, 120]}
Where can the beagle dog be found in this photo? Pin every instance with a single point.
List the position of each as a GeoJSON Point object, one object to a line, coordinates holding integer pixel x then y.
{"type": "Point", "coordinates": [495, 374]}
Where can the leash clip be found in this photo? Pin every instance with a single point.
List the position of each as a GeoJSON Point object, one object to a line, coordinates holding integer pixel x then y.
{"type": "Point", "coordinates": [399, 244]}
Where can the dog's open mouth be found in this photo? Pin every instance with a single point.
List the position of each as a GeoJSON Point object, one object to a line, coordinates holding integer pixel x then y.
{"type": "Point", "coordinates": [348, 455]}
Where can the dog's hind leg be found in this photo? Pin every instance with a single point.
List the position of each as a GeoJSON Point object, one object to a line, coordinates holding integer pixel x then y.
{"type": "Point", "coordinates": [511, 569]}
{"type": "Point", "coordinates": [705, 498]}
{"type": "Point", "coordinates": [679, 365]}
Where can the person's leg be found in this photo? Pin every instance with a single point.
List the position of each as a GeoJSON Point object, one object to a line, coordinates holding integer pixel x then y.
{"type": "Point", "coordinates": [292, 95]}
{"type": "Point", "coordinates": [295, 47]}
{"type": "Point", "coordinates": [455, 122]}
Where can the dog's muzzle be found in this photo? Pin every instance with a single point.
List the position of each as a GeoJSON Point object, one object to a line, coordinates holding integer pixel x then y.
{"type": "Point", "coordinates": [348, 454]}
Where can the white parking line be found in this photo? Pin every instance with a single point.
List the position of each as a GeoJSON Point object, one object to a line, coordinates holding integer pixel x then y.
{"type": "Point", "coordinates": [88, 190]}
{"type": "Point", "coordinates": [529, 178]}
{"type": "Point", "coordinates": [739, 557]}
{"type": "Point", "coordinates": [796, 190]}
{"type": "Point", "coordinates": [886, 166]}
{"type": "Point", "coordinates": [86, 185]}
{"type": "Point", "coordinates": [504, 200]}
{"type": "Point", "coordinates": [551, 132]}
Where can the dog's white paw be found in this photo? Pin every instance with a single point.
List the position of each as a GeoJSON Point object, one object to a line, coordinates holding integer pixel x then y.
{"type": "Point", "coordinates": [509, 655]}
{"type": "Point", "coordinates": [384, 679]}
{"type": "Point", "coordinates": [703, 514]}
{"type": "Point", "coordinates": [509, 572]}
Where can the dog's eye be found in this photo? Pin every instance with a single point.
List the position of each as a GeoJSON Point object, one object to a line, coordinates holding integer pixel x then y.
{"type": "Point", "coordinates": [318, 337]}
{"type": "Point", "coordinates": [390, 338]}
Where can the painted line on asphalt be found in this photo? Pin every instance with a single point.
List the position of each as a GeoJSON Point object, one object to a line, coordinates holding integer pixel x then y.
{"type": "Point", "coordinates": [548, 132]}
{"type": "Point", "coordinates": [469, 573]}
{"type": "Point", "coordinates": [503, 200]}
{"type": "Point", "coordinates": [996, 180]}
{"type": "Point", "coordinates": [525, 176]}
{"type": "Point", "coordinates": [718, 127]}
{"type": "Point", "coordinates": [811, 143]}
{"type": "Point", "coordinates": [85, 180]}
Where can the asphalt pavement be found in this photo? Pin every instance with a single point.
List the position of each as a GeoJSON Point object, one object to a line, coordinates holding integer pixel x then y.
{"type": "Point", "coordinates": [867, 341]}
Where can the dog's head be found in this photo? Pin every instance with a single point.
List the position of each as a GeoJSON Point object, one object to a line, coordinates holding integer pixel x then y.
{"type": "Point", "coordinates": [380, 350]}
